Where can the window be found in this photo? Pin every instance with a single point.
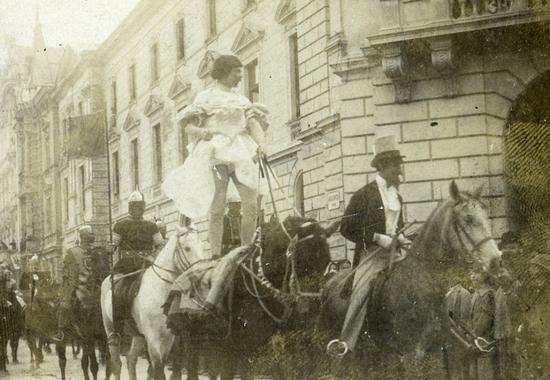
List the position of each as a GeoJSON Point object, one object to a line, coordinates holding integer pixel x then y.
{"type": "Point", "coordinates": [82, 172]}
{"type": "Point", "coordinates": [299, 194]}
{"type": "Point", "coordinates": [132, 82]}
{"type": "Point", "coordinates": [66, 197]}
{"type": "Point", "coordinates": [294, 77]}
{"type": "Point", "coordinates": [135, 163]}
{"type": "Point", "coordinates": [212, 29]}
{"type": "Point", "coordinates": [154, 63]}
{"type": "Point", "coordinates": [157, 140]}
{"type": "Point", "coordinates": [116, 174]}
{"type": "Point", "coordinates": [114, 109]}
{"type": "Point", "coordinates": [184, 140]}
{"type": "Point", "coordinates": [252, 85]}
{"type": "Point", "coordinates": [180, 39]}
{"type": "Point", "coordinates": [80, 109]}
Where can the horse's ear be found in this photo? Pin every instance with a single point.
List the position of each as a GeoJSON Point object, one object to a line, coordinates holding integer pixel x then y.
{"type": "Point", "coordinates": [332, 228]}
{"type": "Point", "coordinates": [454, 192]}
{"type": "Point", "coordinates": [478, 191]}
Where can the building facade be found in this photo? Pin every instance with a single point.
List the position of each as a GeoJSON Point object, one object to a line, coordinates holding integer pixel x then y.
{"type": "Point", "coordinates": [456, 82]}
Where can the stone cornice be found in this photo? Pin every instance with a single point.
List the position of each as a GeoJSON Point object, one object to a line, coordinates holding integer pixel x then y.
{"type": "Point", "coordinates": [286, 153]}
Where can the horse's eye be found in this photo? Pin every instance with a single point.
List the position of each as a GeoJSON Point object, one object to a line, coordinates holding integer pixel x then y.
{"type": "Point", "coordinates": [187, 249]}
{"type": "Point", "coordinates": [469, 220]}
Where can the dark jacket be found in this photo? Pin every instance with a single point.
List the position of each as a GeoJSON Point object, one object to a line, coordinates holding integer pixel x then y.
{"type": "Point", "coordinates": [364, 216]}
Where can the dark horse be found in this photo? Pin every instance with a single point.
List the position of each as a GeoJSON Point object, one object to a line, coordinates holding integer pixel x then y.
{"type": "Point", "coordinates": [405, 315]}
{"type": "Point", "coordinates": [85, 322]}
{"type": "Point", "coordinates": [256, 314]}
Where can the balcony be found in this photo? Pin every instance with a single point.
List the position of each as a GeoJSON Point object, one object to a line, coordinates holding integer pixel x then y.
{"type": "Point", "coordinates": [413, 19]}
{"type": "Point", "coordinates": [405, 32]}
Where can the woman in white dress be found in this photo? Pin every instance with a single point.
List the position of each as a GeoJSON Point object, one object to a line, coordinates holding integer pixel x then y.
{"type": "Point", "coordinates": [227, 135]}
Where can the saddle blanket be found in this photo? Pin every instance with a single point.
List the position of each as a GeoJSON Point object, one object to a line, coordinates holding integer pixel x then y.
{"type": "Point", "coordinates": [198, 303]}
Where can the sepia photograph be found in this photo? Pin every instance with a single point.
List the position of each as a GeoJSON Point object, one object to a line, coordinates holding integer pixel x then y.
{"type": "Point", "coordinates": [275, 189]}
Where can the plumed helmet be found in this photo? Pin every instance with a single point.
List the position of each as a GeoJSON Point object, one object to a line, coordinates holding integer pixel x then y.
{"type": "Point", "coordinates": [136, 196]}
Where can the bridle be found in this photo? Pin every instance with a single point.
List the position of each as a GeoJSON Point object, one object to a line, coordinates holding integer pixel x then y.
{"type": "Point", "coordinates": [461, 231]}
{"type": "Point", "coordinates": [178, 257]}
{"type": "Point", "coordinates": [290, 290]}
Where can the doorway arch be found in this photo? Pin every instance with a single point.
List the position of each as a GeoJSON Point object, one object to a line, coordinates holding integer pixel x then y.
{"type": "Point", "coordinates": [527, 164]}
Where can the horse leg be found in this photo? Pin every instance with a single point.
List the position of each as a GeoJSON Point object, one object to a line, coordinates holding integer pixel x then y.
{"type": "Point", "coordinates": [85, 360]}
{"type": "Point", "coordinates": [136, 349]}
{"type": "Point", "coordinates": [176, 360]}
{"type": "Point", "coordinates": [94, 367]}
{"type": "Point", "coordinates": [192, 362]}
{"type": "Point", "coordinates": [14, 343]}
{"type": "Point", "coordinates": [62, 358]}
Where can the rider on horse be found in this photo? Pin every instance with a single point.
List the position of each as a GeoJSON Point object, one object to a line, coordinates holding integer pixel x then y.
{"type": "Point", "coordinates": [371, 220]}
{"type": "Point", "coordinates": [137, 240]}
{"type": "Point", "coordinates": [80, 269]}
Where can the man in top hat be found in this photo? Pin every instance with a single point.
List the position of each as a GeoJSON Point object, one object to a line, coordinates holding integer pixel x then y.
{"type": "Point", "coordinates": [77, 269]}
{"type": "Point", "coordinates": [232, 225]}
{"type": "Point", "coordinates": [136, 240]}
{"type": "Point", "coordinates": [371, 220]}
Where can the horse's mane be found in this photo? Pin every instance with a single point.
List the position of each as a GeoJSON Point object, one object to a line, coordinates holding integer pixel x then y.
{"type": "Point", "coordinates": [432, 241]}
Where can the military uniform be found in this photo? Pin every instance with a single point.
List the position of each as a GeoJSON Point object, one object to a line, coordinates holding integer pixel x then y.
{"type": "Point", "coordinates": [231, 238]}
{"type": "Point", "coordinates": [137, 240]}
{"type": "Point", "coordinates": [84, 268]}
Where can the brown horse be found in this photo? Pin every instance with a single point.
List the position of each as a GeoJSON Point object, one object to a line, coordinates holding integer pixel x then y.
{"type": "Point", "coordinates": [405, 314]}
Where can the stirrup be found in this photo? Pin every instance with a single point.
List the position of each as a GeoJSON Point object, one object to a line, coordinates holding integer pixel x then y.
{"type": "Point", "coordinates": [59, 337]}
{"type": "Point", "coordinates": [114, 339]}
{"type": "Point", "coordinates": [343, 346]}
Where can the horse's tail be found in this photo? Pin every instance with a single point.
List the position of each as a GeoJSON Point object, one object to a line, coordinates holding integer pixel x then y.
{"type": "Point", "coordinates": [106, 306]}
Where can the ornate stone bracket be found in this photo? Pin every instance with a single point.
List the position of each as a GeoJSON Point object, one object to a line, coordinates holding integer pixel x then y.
{"type": "Point", "coordinates": [442, 54]}
{"type": "Point", "coordinates": [394, 64]}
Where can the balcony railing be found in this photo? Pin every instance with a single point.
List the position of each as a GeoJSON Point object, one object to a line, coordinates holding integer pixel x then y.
{"type": "Point", "coordinates": [419, 19]}
{"type": "Point", "coordinates": [460, 9]}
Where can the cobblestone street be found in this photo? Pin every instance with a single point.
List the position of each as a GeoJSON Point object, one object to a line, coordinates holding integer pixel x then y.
{"type": "Point", "coordinates": [50, 370]}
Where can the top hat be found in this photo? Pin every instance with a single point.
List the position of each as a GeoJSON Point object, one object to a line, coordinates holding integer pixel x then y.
{"type": "Point", "coordinates": [385, 148]}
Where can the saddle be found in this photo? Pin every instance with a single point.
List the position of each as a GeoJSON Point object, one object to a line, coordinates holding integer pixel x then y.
{"type": "Point", "coordinates": [124, 291]}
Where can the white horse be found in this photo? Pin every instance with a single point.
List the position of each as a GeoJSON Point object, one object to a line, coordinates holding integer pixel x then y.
{"type": "Point", "coordinates": [181, 250]}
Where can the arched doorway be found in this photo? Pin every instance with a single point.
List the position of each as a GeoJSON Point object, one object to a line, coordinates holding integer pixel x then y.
{"type": "Point", "coordinates": [527, 164]}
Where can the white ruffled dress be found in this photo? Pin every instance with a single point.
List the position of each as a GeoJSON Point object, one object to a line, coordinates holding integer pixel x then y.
{"type": "Point", "coordinates": [227, 115]}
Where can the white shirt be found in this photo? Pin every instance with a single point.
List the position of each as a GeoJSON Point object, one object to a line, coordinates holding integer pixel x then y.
{"type": "Point", "coordinates": [392, 205]}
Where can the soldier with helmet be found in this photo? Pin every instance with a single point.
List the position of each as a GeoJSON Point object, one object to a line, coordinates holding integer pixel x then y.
{"type": "Point", "coordinates": [136, 240]}
{"type": "Point", "coordinates": [82, 276]}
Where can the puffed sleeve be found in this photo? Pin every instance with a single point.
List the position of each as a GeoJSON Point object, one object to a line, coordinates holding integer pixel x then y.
{"type": "Point", "coordinates": [259, 113]}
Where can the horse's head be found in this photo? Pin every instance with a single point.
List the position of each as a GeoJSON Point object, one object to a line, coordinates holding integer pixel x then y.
{"type": "Point", "coordinates": [308, 244]}
{"type": "Point", "coordinates": [189, 245]}
{"type": "Point", "coordinates": [472, 230]}
{"type": "Point", "coordinates": [460, 225]}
